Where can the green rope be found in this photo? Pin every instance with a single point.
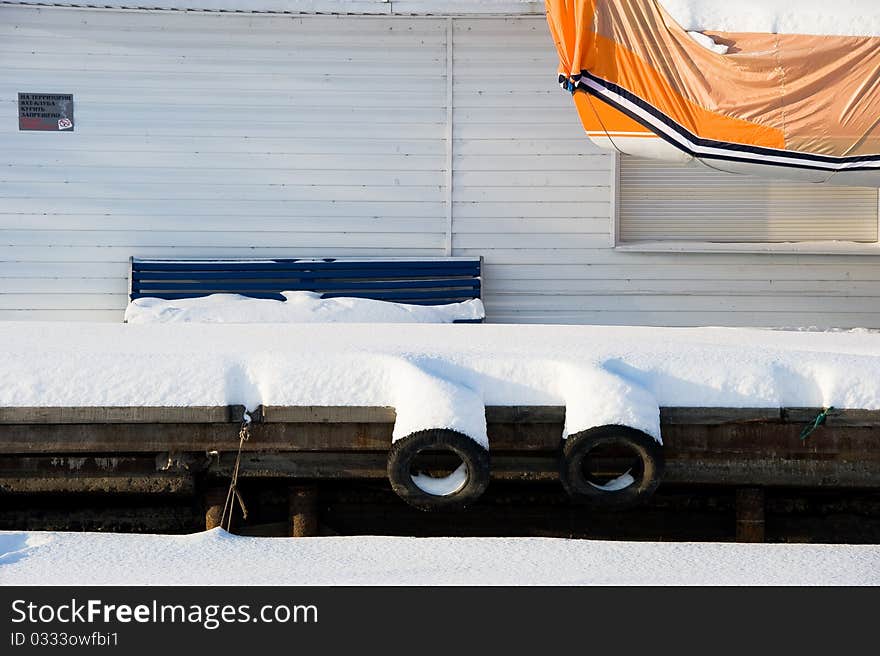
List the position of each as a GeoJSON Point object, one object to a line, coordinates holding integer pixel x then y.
{"type": "Point", "coordinates": [811, 428]}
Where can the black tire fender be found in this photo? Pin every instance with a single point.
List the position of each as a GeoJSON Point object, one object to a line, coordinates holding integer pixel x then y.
{"type": "Point", "coordinates": [473, 472]}
{"type": "Point", "coordinates": [646, 474]}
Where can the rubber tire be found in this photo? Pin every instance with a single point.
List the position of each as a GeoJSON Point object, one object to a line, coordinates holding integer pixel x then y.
{"type": "Point", "coordinates": [404, 451]}
{"type": "Point", "coordinates": [578, 446]}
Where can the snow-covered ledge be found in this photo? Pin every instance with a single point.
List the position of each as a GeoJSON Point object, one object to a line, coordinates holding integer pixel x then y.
{"type": "Point", "coordinates": [366, 7]}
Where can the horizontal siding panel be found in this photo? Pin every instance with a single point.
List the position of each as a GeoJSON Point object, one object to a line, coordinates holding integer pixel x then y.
{"type": "Point", "coordinates": [123, 253]}
{"type": "Point", "coordinates": [216, 99]}
{"type": "Point", "coordinates": [64, 270]}
{"type": "Point", "coordinates": [684, 303]}
{"type": "Point", "coordinates": [16, 286]}
{"type": "Point", "coordinates": [219, 145]}
{"type": "Point", "coordinates": [605, 256]}
{"type": "Point", "coordinates": [62, 301]}
{"type": "Point", "coordinates": [523, 146]}
{"type": "Point", "coordinates": [530, 226]}
{"type": "Point", "coordinates": [77, 314]}
{"type": "Point", "coordinates": [426, 55]}
{"type": "Point", "coordinates": [532, 163]}
{"type": "Point", "coordinates": [94, 176]}
{"type": "Point", "coordinates": [239, 208]}
{"type": "Point", "coordinates": [250, 129]}
{"type": "Point", "coordinates": [505, 129]}
{"type": "Point", "coordinates": [533, 179]}
{"type": "Point", "coordinates": [295, 64]}
{"type": "Point", "coordinates": [134, 192]}
{"type": "Point", "coordinates": [691, 287]}
{"type": "Point", "coordinates": [216, 177]}
{"type": "Point", "coordinates": [163, 28]}
{"type": "Point", "coordinates": [281, 115]}
{"type": "Point", "coordinates": [549, 100]}
{"type": "Point", "coordinates": [833, 273]}
{"type": "Point", "coordinates": [221, 223]}
{"type": "Point", "coordinates": [542, 194]}
{"type": "Point", "coordinates": [795, 320]}
{"type": "Point", "coordinates": [501, 209]}
{"type": "Point", "coordinates": [244, 85]}
{"type": "Point", "coordinates": [208, 239]}
{"type": "Point", "coordinates": [138, 162]}
{"type": "Point", "coordinates": [559, 241]}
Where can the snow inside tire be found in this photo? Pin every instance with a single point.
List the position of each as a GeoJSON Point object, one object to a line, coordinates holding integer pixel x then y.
{"type": "Point", "coordinates": [453, 492]}
{"type": "Point", "coordinates": [627, 488]}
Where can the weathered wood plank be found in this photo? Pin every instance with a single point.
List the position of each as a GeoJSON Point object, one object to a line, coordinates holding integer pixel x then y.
{"type": "Point", "coordinates": [327, 414]}
{"type": "Point", "coordinates": [511, 467]}
{"type": "Point", "coordinates": [520, 414]}
{"type": "Point", "coordinates": [125, 474]}
{"type": "Point", "coordinates": [122, 415]}
{"type": "Point", "coordinates": [140, 438]}
{"type": "Point", "coordinates": [373, 415]}
{"type": "Point", "coordinates": [769, 472]}
{"type": "Point", "coordinates": [535, 414]}
{"type": "Point", "coordinates": [93, 484]}
{"type": "Point", "coordinates": [771, 438]}
{"type": "Point", "coordinates": [774, 472]}
{"type": "Point", "coordinates": [835, 417]}
{"type": "Point", "coordinates": [710, 416]}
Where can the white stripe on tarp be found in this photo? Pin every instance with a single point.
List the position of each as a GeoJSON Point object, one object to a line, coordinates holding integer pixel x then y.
{"type": "Point", "coordinates": [686, 144]}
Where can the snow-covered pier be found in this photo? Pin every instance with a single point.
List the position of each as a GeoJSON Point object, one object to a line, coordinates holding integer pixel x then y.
{"type": "Point", "coordinates": [159, 409]}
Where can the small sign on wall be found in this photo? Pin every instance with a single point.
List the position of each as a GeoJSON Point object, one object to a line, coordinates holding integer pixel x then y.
{"type": "Point", "coordinates": [47, 112]}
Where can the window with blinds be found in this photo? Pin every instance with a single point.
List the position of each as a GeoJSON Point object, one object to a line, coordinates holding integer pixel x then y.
{"type": "Point", "coordinates": [659, 201]}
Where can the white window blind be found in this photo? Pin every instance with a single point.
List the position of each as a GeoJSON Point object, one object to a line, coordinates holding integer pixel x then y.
{"type": "Point", "coordinates": [660, 201]}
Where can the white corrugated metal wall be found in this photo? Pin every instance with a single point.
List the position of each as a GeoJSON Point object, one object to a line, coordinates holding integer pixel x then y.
{"type": "Point", "coordinates": [215, 134]}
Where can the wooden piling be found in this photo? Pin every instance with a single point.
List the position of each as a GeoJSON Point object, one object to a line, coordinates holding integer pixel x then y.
{"type": "Point", "coordinates": [215, 499]}
{"type": "Point", "coordinates": [750, 514]}
{"type": "Point", "coordinates": [304, 511]}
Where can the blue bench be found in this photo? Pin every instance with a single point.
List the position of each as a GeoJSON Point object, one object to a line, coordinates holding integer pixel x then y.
{"type": "Point", "coordinates": [419, 282]}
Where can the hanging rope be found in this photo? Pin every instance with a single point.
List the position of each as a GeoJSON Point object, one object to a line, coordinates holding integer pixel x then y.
{"type": "Point", "coordinates": [811, 428]}
{"type": "Point", "coordinates": [234, 495]}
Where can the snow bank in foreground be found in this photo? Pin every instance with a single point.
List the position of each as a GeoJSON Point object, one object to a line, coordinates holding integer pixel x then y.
{"type": "Point", "coordinates": [217, 558]}
{"type": "Point", "coordinates": [438, 376]}
{"type": "Point", "coordinates": [841, 18]}
{"type": "Point", "coordinates": [299, 307]}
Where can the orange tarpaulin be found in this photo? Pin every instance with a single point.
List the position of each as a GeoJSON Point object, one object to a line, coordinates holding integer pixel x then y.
{"type": "Point", "coordinates": [788, 105]}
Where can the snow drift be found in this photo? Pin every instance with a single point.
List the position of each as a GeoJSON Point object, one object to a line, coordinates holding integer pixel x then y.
{"type": "Point", "coordinates": [298, 307]}
{"type": "Point", "coordinates": [218, 558]}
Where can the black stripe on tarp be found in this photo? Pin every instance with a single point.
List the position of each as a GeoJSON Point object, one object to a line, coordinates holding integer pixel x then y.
{"type": "Point", "coordinates": [722, 145]}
